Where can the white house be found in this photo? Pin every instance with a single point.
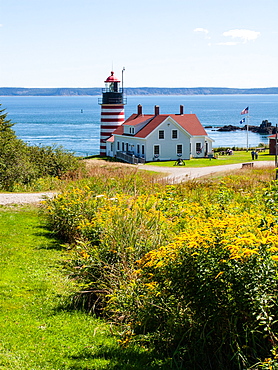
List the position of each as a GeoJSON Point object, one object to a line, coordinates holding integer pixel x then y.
{"type": "Point", "coordinates": [159, 137]}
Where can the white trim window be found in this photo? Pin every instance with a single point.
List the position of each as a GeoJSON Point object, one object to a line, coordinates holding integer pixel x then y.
{"type": "Point", "coordinates": [179, 149]}
{"type": "Point", "coordinates": [198, 148]}
{"type": "Point", "coordinates": [161, 134]}
{"type": "Point", "coordinates": [174, 134]}
{"type": "Point", "coordinates": [156, 150]}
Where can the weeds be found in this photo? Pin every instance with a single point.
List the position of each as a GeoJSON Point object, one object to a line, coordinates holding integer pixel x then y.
{"type": "Point", "coordinates": [188, 269]}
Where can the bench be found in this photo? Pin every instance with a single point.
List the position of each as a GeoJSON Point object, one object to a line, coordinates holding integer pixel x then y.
{"type": "Point", "coordinates": [247, 165]}
{"type": "Point", "coordinates": [212, 156]}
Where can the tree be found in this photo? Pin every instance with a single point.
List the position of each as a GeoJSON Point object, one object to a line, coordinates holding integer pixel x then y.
{"type": "Point", "coordinates": [22, 164]}
{"type": "Point", "coordinates": [15, 165]}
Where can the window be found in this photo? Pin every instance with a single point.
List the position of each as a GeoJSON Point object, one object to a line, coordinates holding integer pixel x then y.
{"type": "Point", "coordinates": [143, 149]}
{"type": "Point", "coordinates": [161, 134]}
{"type": "Point", "coordinates": [126, 147]}
{"type": "Point", "coordinates": [123, 147]}
{"type": "Point", "coordinates": [174, 134]}
{"type": "Point", "coordinates": [198, 148]}
{"type": "Point", "coordinates": [138, 148]}
{"type": "Point", "coordinates": [118, 145]}
{"type": "Point", "coordinates": [156, 150]}
{"type": "Point", "coordinates": [131, 130]}
{"type": "Point", "coordinates": [179, 149]}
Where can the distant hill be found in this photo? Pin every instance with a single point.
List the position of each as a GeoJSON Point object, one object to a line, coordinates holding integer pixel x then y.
{"type": "Point", "coordinates": [64, 91]}
{"type": "Point", "coordinates": [68, 91]}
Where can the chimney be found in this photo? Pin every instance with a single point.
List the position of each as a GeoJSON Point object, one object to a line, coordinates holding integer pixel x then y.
{"type": "Point", "coordinates": [139, 110]}
{"type": "Point", "coordinates": [156, 110]}
{"type": "Point", "coordinates": [181, 109]}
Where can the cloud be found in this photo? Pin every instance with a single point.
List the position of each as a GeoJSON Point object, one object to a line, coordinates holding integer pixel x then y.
{"type": "Point", "coordinates": [243, 35]}
{"type": "Point", "coordinates": [203, 31]}
{"type": "Point", "coordinates": [228, 43]}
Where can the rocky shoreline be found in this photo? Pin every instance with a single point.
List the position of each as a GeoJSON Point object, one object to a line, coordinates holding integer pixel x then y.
{"type": "Point", "coordinates": [265, 128]}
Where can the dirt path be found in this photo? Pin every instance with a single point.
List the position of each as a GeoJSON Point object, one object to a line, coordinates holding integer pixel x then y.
{"type": "Point", "coordinates": [21, 198]}
{"type": "Point", "coordinates": [179, 174]}
{"type": "Point", "coordinates": [173, 174]}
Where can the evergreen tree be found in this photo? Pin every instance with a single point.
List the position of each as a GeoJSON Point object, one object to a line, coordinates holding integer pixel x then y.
{"type": "Point", "coordinates": [21, 164]}
{"type": "Point", "coordinates": [14, 163]}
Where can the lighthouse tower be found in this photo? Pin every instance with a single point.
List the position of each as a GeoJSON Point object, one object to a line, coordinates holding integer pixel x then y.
{"type": "Point", "coordinates": [112, 110]}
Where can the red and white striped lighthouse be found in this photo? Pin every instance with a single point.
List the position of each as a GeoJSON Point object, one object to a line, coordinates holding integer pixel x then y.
{"type": "Point", "coordinates": [112, 110]}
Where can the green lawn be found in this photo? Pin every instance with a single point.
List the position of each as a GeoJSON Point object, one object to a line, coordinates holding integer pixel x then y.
{"type": "Point", "coordinates": [37, 332]}
{"type": "Point", "coordinates": [237, 157]}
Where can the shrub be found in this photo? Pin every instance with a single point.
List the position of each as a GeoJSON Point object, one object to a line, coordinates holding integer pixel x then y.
{"type": "Point", "coordinates": [21, 165]}
{"type": "Point", "coordinates": [211, 293]}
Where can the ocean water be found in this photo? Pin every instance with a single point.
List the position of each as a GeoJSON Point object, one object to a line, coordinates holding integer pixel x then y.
{"type": "Point", "coordinates": [74, 121]}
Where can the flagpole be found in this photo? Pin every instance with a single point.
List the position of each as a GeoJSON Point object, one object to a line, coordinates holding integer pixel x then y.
{"type": "Point", "coordinates": [276, 152]}
{"type": "Point", "coordinates": [246, 111]}
{"type": "Point", "coordinates": [247, 130]}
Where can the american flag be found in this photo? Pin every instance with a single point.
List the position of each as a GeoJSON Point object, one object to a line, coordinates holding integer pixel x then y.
{"type": "Point", "coordinates": [245, 111]}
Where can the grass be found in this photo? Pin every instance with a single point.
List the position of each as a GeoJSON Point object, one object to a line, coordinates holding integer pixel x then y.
{"type": "Point", "coordinates": [37, 331]}
{"type": "Point", "coordinates": [237, 157]}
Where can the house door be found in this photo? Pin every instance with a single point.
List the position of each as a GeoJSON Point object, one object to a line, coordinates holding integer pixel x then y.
{"type": "Point", "coordinates": [206, 149]}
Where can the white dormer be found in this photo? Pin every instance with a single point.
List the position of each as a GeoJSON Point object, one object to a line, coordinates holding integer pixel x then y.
{"type": "Point", "coordinates": [129, 130]}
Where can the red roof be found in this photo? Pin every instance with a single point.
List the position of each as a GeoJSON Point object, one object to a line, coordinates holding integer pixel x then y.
{"type": "Point", "coordinates": [189, 122]}
{"type": "Point", "coordinates": [111, 139]}
{"type": "Point", "coordinates": [112, 78]}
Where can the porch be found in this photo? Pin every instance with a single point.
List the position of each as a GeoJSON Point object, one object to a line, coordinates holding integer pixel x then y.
{"type": "Point", "coordinates": [129, 158]}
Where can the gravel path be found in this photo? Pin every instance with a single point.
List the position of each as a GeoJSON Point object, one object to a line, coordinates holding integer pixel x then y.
{"type": "Point", "coordinates": [174, 174]}
{"type": "Point", "coordinates": [179, 174]}
{"type": "Point", "coordinates": [21, 198]}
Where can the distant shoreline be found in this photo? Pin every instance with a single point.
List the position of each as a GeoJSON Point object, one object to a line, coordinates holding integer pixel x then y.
{"type": "Point", "coordinates": [96, 91]}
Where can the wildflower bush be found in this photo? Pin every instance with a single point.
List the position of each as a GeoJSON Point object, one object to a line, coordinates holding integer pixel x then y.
{"type": "Point", "coordinates": [188, 269]}
{"type": "Point", "coordinates": [212, 291]}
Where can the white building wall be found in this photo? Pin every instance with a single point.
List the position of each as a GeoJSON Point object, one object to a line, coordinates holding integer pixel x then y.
{"type": "Point", "coordinates": [109, 149]}
{"type": "Point", "coordinates": [129, 144]}
{"type": "Point", "coordinates": [168, 145]}
{"type": "Point", "coordinates": [202, 142]}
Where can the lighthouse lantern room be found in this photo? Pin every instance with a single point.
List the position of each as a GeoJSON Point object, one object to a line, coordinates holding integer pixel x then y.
{"type": "Point", "coordinates": [112, 110]}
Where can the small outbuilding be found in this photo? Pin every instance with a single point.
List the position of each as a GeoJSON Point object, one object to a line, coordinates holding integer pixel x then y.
{"type": "Point", "coordinates": [272, 144]}
{"type": "Point", "coordinates": [165, 137]}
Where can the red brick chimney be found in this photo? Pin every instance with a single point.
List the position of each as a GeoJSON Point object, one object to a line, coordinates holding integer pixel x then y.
{"type": "Point", "coordinates": [139, 110]}
{"type": "Point", "coordinates": [156, 110]}
{"type": "Point", "coordinates": [181, 109]}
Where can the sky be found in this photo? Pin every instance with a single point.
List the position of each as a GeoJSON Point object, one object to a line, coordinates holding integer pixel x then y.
{"type": "Point", "coordinates": [173, 43]}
